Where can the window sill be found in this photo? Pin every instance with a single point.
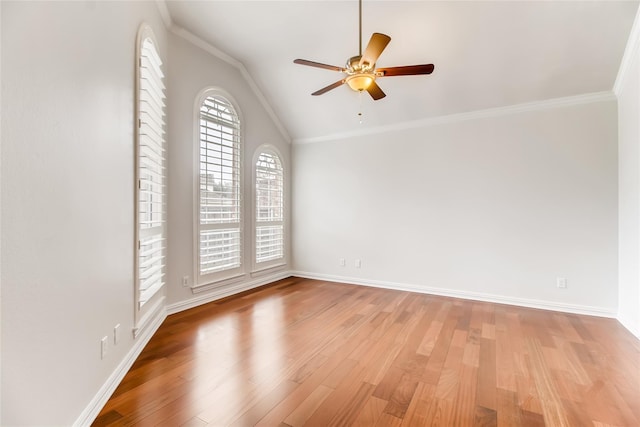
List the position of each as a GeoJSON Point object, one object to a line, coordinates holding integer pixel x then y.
{"type": "Point", "coordinates": [216, 284]}
{"type": "Point", "coordinates": [263, 271]}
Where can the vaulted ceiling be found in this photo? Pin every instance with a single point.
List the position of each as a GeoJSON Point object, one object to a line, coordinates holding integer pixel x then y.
{"type": "Point", "coordinates": [487, 54]}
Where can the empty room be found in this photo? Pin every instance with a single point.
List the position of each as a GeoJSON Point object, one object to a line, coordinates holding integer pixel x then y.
{"type": "Point", "coordinates": [305, 212]}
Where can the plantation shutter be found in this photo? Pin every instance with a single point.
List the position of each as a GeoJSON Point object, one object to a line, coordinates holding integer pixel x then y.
{"type": "Point", "coordinates": [151, 175]}
{"type": "Point", "coordinates": [220, 234]}
{"type": "Point", "coordinates": [269, 208]}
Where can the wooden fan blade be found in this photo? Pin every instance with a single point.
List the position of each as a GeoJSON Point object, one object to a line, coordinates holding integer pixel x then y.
{"type": "Point", "coordinates": [407, 70]}
{"type": "Point", "coordinates": [318, 65]}
{"type": "Point", "coordinates": [375, 47]}
{"type": "Point", "coordinates": [328, 88]}
{"type": "Point", "coordinates": [375, 91]}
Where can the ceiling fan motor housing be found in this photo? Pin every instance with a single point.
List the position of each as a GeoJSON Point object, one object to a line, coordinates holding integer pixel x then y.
{"type": "Point", "coordinates": [353, 66]}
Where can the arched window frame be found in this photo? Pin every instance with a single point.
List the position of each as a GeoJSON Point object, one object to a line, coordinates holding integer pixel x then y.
{"type": "Point", "coordinates": [150, 180]}
{"type": "Point", "coordinates": [262, 263]}
{"type": "Point", "coordinates": [236, 271]}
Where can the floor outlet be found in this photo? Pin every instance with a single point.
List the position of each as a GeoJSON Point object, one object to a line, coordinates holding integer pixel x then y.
{"type": "Point", "coordinates": [103, 347]}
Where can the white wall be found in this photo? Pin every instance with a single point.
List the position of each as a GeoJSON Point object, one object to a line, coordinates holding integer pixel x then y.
{"type": "Point", "coordinates": [494, 208]}
{"type": "Point", "coordinates": [191, 70]}
{"type": "Point", "coordinates": [67, 200]}
{"type": "Point", "coordinates": [629, 189]}
{"type": "Point", "coordinates": [0, 218]}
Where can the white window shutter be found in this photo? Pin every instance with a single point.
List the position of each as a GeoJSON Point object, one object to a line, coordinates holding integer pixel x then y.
{"type": "Point", "coordinates": [151, 174]}
{"type": "Point", "coordinates": [219, 231]}
{"type": "Point", "coordinates": [269, 188]}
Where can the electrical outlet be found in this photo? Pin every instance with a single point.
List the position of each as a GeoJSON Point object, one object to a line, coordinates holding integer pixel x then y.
{"type": "Point", "coordinates": [343, 262]}
{"type": "Point", "coordinates": [185, 281]}
{"type": "Point", "coordinates": [103, 347]}
{"type": "Point", "coordinates": [358, 263]}
{"type": "Point", "coordinates": [561, 282]}
{"type": "Point", "coordinates": [116, 334]}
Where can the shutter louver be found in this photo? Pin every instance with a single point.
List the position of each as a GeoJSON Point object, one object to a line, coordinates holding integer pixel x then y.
{"type": "Point", "coordinates": [151, 174]}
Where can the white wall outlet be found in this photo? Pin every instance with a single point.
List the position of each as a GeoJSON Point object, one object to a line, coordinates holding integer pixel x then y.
{"type": "Point", "coordinates": [116, 334]}
{"type": "Point", "coordinates": [358, 263]}
{"type": "Point", "coordinates": [561, 282]}
{"type": "Point", "coordinates": [103, 347]}
{"type": "Point", "coordinates": [343, 262]}
{"type": "Point", "coordinates": [185, 281]}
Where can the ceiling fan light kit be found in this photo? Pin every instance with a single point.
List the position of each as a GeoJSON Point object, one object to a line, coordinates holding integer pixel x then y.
{"type": "Point", "coordinates": [360, 70]}
{"type": "Point", "coordinates": [360, 82]}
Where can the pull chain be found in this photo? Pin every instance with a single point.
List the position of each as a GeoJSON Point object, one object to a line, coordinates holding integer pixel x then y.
{"type": "Point", "coordinates": [360, 112]}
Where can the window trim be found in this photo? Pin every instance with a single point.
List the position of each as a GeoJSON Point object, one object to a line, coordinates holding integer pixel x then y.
{"type": "Point", "coordinates": [220, 277]}
{"type": "Point", "coordinates": [278, 263]}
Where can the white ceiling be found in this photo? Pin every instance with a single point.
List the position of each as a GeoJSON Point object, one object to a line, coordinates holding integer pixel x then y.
{"type": "Point", "coordinates": [487, 54]}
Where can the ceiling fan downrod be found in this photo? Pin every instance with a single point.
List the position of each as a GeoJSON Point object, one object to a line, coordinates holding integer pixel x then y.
{"type": "Point", "coordinates": [360, 27]}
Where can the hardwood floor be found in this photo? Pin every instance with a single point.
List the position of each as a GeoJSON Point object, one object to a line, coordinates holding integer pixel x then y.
{"type": "Point", "coordinates": [306, 352]}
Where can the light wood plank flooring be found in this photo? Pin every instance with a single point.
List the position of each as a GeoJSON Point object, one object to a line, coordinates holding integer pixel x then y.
{"type": "Point", "coordinates": [305, 352]}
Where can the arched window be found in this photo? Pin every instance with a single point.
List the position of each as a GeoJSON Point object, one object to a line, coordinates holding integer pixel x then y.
{"type": "Point", "coordinates": [269, 191]}
{"type": "Point", "coordinates": [150, 171]}
{"type": "Point", "coordinates": [219, 233]}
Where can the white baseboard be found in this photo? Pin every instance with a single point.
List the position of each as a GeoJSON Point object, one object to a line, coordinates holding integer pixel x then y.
{"type": "Point", "coordinates": [88, 416]}
{"type": "Point", "coordinates": [226, 291]}
{"type": "Point", "coordinates": [630, 325]}
{"type": "Point", "coordinates": [475, 296]}
{"type": "Point", "coordinates": [150, 318]}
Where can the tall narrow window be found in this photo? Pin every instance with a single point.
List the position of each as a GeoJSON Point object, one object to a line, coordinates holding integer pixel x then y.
{"type": "Point", "coordinates": [150, 159]}
{"type": "Point", "coordinates": [219, 230]}
{"type": "Point", "coordinates": [269, 208]}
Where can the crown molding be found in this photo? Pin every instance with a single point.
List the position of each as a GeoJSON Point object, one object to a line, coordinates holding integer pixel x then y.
{"type": "Point", "coordinates": [472, 115]}
{"type": "Point", "coordinates": [209, 48]}
{"type": "Point", "coordinates": [164, 13]}
{"type": "Point", "coordinates": [630, 52]}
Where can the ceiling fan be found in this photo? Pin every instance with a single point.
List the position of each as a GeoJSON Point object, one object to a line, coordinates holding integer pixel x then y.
{"type": "Point", "coordinates": [360, 70]}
